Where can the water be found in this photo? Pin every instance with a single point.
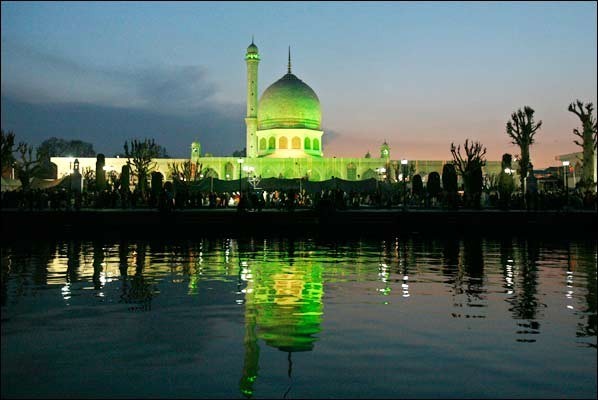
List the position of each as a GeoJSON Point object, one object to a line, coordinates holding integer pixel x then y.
{"type": "Point", "coordinates": [280, 318]}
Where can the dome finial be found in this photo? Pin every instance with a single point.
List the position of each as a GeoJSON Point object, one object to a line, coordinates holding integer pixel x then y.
{"type": "Point", "coordinates": [252, 39]}
{"type": "Point", "coordinates": [289, 68]}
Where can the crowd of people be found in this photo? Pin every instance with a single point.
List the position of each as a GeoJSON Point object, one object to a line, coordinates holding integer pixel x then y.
{"type": "Point", "coordinates": [257, 200]}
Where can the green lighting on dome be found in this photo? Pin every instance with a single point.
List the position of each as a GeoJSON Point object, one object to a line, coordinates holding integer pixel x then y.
{"type": "Point", "coordinates": [289, 103]}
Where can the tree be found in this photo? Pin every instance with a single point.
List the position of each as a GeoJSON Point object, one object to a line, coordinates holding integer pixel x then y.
{"type": "Point", "coordinates": [522, 129]}
{"type": "Point", "coordinates": [187, 171]}
{"type": "Point", "coordinates": [240, 153]}
{"type": "Point", "coordinates": [26, 166]}
{"type": "Point", "coordinates": [433, 185]}
{"type": "Point", "coordinates": [55, 147]}
{"type": "Point", "coordinates": [7, 143]}
{"type": "Point", "coordinates": [161, 152]}
{"type": "Point", "coordinates": [89, 179]}
{"type": "Point", "coordinates": [139, 158]}
{"type": "Point", "coordinates": [470, 169]}
{"type": "Point", "coordinates": [417, 187]}
{"type": "Point", "coordinates": [588, 140]}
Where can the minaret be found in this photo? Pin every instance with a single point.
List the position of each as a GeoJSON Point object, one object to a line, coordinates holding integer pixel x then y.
{"type": "Point", "coordinates": [385, 151]}
{"type": "Point", "coordinates": [252, 58]}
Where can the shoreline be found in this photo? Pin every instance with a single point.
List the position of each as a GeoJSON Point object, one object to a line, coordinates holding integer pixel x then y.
{"type": "Point", "coordinates": [149, 223]}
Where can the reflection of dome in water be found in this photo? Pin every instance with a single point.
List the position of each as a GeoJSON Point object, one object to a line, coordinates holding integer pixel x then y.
{"type": "Point", "coordinates": [289, 308]}
{"type": "Point", "coordinates": [289, 103]}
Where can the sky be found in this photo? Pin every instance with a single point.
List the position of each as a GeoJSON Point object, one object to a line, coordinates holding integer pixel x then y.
{"type": "Point", "coordinates": [419, 75]}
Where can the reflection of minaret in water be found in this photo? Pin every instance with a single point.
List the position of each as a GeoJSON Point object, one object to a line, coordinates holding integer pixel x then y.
{"type": "Point", "coordinates": [252, 348]}
{"type": "Point", "coordinates": [283, 307]}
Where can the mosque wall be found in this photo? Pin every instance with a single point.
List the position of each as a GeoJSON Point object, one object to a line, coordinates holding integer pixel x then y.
{"type": "Point", "coordinates": [315, 169]}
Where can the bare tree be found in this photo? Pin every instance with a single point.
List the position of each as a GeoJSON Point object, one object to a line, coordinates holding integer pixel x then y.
{"type": "Point", "coordinates": [588, 140]}
{"type": "Point", "coordinates": [139, 159]}
{"type": "Point", "coordinates": [89, 179]}
{"type": "Point", "coordinates": [470, 168]}
{"type": "Point", "coordinates": [26, 166]}
{"type": "Point", "coordinates": [522, 129]}
{"type": "Point", "coordinates": [186, 171]}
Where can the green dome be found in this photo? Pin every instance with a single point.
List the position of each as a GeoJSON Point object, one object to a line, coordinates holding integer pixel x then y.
{"type": "Point", "coordinates": [289, 103]}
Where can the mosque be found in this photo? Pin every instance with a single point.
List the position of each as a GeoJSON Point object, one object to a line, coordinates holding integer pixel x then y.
{"type": "Point", "coordinates": [284, 140]}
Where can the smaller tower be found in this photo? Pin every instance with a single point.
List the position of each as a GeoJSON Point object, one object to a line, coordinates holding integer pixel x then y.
{"type": "Point", "coordinates": [195, 151]}
{"type": "Point", "coordinates": [385, 151]}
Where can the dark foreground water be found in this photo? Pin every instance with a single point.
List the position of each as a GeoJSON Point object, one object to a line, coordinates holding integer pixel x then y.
{"type": "Point", "coordinates": [404, 317]}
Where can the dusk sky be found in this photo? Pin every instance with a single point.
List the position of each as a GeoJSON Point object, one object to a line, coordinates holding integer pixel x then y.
{"type": "Point", "coordinates": [419, 75]}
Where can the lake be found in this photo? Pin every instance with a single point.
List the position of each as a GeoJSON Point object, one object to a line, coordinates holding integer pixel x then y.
{"type": "Point", "coordinates": [405, 317]}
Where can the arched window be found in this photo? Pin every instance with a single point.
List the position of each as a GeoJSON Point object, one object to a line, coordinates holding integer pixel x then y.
{"type": "Point", "coordinates": [262, 144]}
{"type": "Point", "coordinates": [351, 172]}
{"type": "Point", "coordinates": [316, 144]}
{"type": "Point", "coordinates": [296, 143]}
{"type": "Point", "coordinates": [307, 144]}
{"type": "Point", "coordinates": [283, 143]}
{"type": "Point", "coordinates": [271, 143]}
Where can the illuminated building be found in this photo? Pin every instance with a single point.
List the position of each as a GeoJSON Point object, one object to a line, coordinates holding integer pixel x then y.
{"type": "Point", "coordinates": [284, 140]}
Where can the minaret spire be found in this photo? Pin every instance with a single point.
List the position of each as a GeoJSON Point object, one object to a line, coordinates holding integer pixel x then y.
{"type": "Point", "coordinates": [252, 39]}
{"type": "Point", "coordinates": [289, 68]}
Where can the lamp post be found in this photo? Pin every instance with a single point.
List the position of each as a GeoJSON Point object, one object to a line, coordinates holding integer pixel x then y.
{"type": "Point", "coordinates": [404, 165]}
{"type": "Point", "coordinates": [240, 161]}
{"type": "Point", "coordinates": [565, 168]}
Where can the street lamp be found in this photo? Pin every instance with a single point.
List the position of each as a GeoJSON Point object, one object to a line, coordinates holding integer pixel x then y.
{"type": "Point", "coordinates": [565, 168]}
{"type": "Point", "coordinates": [403, 167]}
{"type": "Point", "coordinates": [240, 161]}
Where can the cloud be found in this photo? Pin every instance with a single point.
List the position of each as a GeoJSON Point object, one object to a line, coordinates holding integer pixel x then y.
{"type": "Point", "coordinates": [329, 136]}
{"type": "Point", "coordinates": [45, 95]}
{"type": "Point", "coordinates": [35, 76]}
{"type": "Point", "coordinates": [220, 129]}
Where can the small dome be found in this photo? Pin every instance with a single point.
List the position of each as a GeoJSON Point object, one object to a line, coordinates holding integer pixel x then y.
{"type": "Point", "coordinates": [252, 49]}
{"type": "Point", "coordinates": [289, 103]}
